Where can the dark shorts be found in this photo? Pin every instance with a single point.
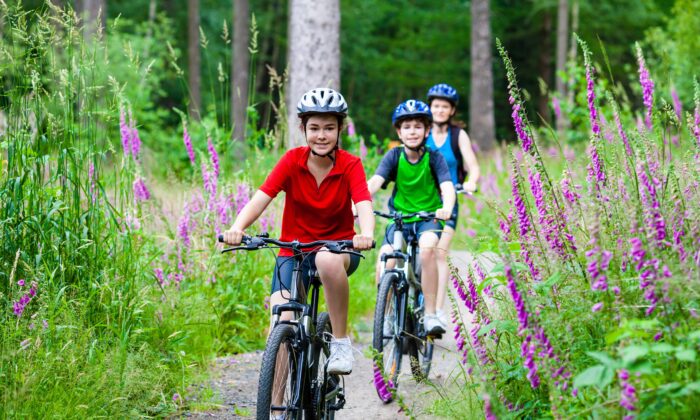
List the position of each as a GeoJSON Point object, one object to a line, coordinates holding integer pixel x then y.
{"type": "Point", "coordinates": [282, 276]}
{"type": "Point", "coordinates": [415, 229]}
{"type": "Point", "coordinates": [455, 214]}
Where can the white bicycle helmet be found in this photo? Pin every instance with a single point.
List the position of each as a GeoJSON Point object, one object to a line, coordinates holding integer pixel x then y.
{"type": "Point", "coordinates": [322, 101]}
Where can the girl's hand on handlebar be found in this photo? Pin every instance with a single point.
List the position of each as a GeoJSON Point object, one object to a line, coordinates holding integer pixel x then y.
{"type": "Point", "coordinates": [361, 242]}
{"type": "Point", "coordinates": [233, 236]}
{"type": "Point", "coordinates": [443, 214]}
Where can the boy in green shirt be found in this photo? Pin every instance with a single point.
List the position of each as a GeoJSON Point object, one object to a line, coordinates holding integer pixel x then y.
{"type": "Point", "coordinates": [416, 173]}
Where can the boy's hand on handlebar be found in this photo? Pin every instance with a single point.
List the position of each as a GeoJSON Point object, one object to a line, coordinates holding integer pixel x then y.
{"type": "Point", "coordinates": [233, 236]}
{"type": "Point", "coordinates": [443, 214]}
{"type": "Point", "coordinates": [361, 242]}
{"type": "Point", "coordinates": [470, 186]}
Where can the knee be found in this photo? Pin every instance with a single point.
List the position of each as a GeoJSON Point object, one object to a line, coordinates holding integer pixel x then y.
{"type": "Point", "coordinates": [329, 266]}
{"type": "Point", "coordinates": [427, 254]}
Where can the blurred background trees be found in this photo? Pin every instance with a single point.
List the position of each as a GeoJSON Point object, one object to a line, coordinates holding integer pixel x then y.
{"type": "Point", "coordinates": [389, 51]}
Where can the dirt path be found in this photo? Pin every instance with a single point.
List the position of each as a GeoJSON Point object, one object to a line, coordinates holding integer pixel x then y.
{"type": "Point", "coordinates": [236, 378]}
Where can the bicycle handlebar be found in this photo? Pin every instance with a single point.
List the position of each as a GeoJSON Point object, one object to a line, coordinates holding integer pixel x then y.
{"type": "Point", "coordinates": [256, 242]}
{"type": "Point", "coordinates": [425, 215]}
{"type": "Point", "coordinates": [459, 189]}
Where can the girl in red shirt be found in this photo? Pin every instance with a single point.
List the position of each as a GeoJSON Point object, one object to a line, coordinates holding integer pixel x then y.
{"type": "Point", "coordinates": [320, 182]}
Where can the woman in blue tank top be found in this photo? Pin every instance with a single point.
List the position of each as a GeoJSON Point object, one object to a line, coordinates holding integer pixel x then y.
{"type": "Point", "coordinates": [443, 100]}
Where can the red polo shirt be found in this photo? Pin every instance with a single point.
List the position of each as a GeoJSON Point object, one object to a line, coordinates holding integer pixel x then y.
{"type": "Point", "coordinates": [316, 212]}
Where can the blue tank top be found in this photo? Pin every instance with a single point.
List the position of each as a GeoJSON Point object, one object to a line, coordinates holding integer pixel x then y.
{"type": "Point", "coordinates": [447, 153]}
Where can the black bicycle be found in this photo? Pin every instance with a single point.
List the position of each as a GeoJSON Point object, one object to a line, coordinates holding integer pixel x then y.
{"type": "Point", "coordinates": [295, 359]}
{"type": "Point", "coordinates": [398, 314]}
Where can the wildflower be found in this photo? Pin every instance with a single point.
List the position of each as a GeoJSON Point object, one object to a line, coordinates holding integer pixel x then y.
{"type": "Point", "coordinates": [242, 197]}
{"type": "Point", "coordinates": [183, 226]}
{"type": "Point", "coordinates": [188, 143]}
{"type": "Point", "coordinates": [556, 107]}
{"type": "Point", "coordinates": [141, 193]}
{"type": "Point", "coordinates": [658, 335]}
{"type": "Point", "coordinates": [351, 129]}
{"type": "Point", "coordinates": [176, 397]}
{"type": "Point", "coordinates": [528, 353]}
{"type": "Point", "coordinates": [647, 87]}
{"type": "Point", "coordinates": [135, 139]}
{"type": "Point", "coordinates": [383, 387]}
{"type": "Point", "coordinates": [488, 409]}
{"type": "Point", "coordinates": [209, 181]}
{"type": "Point", "coordinates": [628, 399]}
{"type": "Point", "coordinates": [20, 283]}
{"type": "Point", "coordinates": [363, 149]}
{"type": "Point", "coordinates": [597, 165]}
{"type": "Point", "coordinates": [517, 299]}
{"type": "Point", "coordinates": [519, 124]}
{"type": "Point", "coordinates": [214, 157]}
{"type": "Point", "coordinates": [19, 306]}
{"type": "Point", "coordinates": [520, 207]}
{"type": "Point", "coordinates": [44, 324]}
{"type": "Point", "coordinates": [597, 307]}
{"type": "Point", "coordinates": [125, 132]}
{"type": "Point", "coordinates": [570, 195]}
{"type": "Point", "coordinates": [677, 105]}
{"type": "Point", "coordinates": [593, 113]}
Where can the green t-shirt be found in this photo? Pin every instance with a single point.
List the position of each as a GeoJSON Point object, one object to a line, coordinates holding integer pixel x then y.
{"type": "Point", "coordinates": [416, 187]}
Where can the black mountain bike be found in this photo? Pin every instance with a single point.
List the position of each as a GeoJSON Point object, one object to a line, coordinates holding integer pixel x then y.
{"type": "Point", "coordinates": [398, 314]}
{"type": "Point", "coordinates": [295, 358]}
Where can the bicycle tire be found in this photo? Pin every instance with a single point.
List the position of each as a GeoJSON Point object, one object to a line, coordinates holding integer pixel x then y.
{"type": "Point", "coordinates": [283, 335]}
{"type": "Point", "coordinates": [389, 351]}
{"type": "Point", "coordinates": [324, 383]}
{"type": "Point", "coordinates": [420, 351]}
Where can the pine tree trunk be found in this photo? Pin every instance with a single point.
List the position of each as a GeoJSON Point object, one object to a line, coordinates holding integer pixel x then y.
{"type": "Point", "coordinates": [240, 68]}
{"type": "Point", "coordinates": [562, 41]}
{"type": "Point", "coordinates": [545, 65]}
{"type": "Point", "coordinates": [193, 55]}
{"type": "Point", "coordinates": [93, 13]}
{"type": "Point", "coordinates": [314, 54]}
{"type": "Point", "coordinates": [482, 125]}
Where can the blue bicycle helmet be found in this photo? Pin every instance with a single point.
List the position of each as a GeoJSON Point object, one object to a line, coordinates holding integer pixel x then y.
{"type": "Point", "coordinates": [443, 91]}
{"type": "Point", "coordinates": [412, 108]}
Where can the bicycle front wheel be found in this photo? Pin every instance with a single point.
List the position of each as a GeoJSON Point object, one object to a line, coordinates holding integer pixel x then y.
{"type": "Point", "coordinates": [387, 340]}
{"type": "Point", "coordinates": [420, 350]}
{"type": "Point", "coordinates": [325, 387]}
{"type": "Point", "coordinates": [278, 384]}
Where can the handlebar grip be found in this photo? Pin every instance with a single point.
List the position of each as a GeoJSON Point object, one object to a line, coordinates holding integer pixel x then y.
{"type": "Point", "coordinates": [221, 238]}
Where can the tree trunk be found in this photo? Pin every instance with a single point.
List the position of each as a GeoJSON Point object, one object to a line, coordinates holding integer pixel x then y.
{"type": "Point", "coordinates": [562, 41]}
{"type": "Point", "coordinates": [93, 13]}
{"type": "Point", "coordinates": [481, 110]}
{"type": "Point", "coordinates": [572, 58]}
{"type": "Point", "coordinates": [194, 72]}
{"type": "Point", "coordinates": [314, 54]}
{"type": "Point", "coordinates": [240, 68]}
{"type": "Point", "coordinates": [545, 65]}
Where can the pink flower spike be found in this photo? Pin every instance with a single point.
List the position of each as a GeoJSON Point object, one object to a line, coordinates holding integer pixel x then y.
{"type": "Point", "coordinates": [597, 307]}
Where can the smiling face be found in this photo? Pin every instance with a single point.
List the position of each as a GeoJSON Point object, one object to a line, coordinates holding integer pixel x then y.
{"type": "Point", "coordinates": [322, 133]}
{"type": "Point", "coordinates": [412, 132]}
{"type": "Point", "coordinates": [442, 110]}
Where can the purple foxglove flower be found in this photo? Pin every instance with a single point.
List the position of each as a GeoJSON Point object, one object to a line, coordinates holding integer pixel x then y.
{"type": "Point", "coordinates": [141, 193]}
{"type": "Point", "coordinates": [556, 107]}
{"type": "Point", "coordinates": [597, 307]}
{"type": "Point", "coordinates": [677, 105]}
{"type": "Point", "coordinates": [363, 149]}
{"type": "Point", "coordinates": [242, 197]}
{"type": "Point", "coordinates": [590, 89]}
{"type": "Point", "coordinates": [188, 143]}
{"type": "Point", "coordinates": [20, 283]}
{"type": "Point", "coordinates": [621, 133]}
{"type": "Point", "coordinates": [488, 409]}
{"type": "Point", "coordinates": [125, 132]}
{"type": "Point", "coordinates": [351, 129]}
{"type": "Point", "coordinates": [517, 299]}
{"type": "Point", "coordinates": [520, 128]}
{"type": "Point", "coordinates": [647, 87]}
{"type": "Point", "coordinates": [214, 157]}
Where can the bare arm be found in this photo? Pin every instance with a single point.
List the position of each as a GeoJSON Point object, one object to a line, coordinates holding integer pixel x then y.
{"type": "Point", "coordinates": [246, 217]}
{"type": "Point", "coordinates": [365, 218]}
{"type": "Point", "coordinates": [471, 165]}
{"type": "Point", "coordinates": [374, 184]}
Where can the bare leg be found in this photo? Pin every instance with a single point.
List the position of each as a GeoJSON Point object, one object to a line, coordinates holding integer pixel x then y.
{"type": "Point", "coordinates": [443, 249]}
{"type": "Point", "coordinates": [429, 273]}
{"type": "Point", "coordinates": [332, 269]}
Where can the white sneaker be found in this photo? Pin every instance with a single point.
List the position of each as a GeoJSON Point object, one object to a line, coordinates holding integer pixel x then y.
{"type": "Point", "coordinates": [442, 317]}
{"type": "Point", "coordinates": [432, 324]}
{"type": "Point", "coordinates": [341, 358]}
{"type": "Point", "coordinates": [388, 325]}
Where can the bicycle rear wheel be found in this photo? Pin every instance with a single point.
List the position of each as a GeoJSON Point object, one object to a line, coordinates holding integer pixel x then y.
{"type": "Point", "coordinates": [387, 340]}
{"type": "Point", "coordinates": [278, 384]}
